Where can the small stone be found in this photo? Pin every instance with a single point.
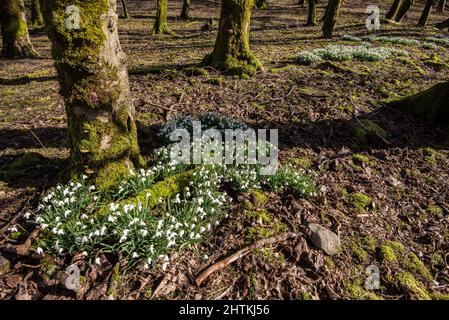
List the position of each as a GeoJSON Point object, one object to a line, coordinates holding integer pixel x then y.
{"type": "Point", "coordinates": [4, 265]}
{"type": "Point", "coordinates": [325, 239]}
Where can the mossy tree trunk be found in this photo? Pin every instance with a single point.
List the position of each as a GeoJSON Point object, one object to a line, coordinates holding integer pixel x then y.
{"type": "Point", "coordinates": [391, 14]}
{"type": "Point", "coordinates": [16, 40]}
{"type": "Point", "coordinates": [125, 9]}
{"type": "Point", "coordinates": [94, 83]}
{"type": "Point", "coordinates": [426, 13]}
{"type": "Point", "coordinates": [441, 5]}
{"type": "Point", "coordinates": [160, 24]}
{"type": "Point", "coordinates": [185, 12]}
{"type": "Point", "coordinates": [36, 13]}
{"type": "Point", "coordinates": [330, 18]}
{"type": "Point", "coordinates": [232, 52]}
{"type": "Point", "coordinates": [431, 104]}
{"type": "Point", "coordinates": [311, 19]}
{"type": "Point", "coordinates": [403, 9]}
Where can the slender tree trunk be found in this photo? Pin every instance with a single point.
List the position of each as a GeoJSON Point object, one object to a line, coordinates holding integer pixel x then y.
{"type": "Point", "coordinates": [441, 5]}
{"type": "Point", "coordinates": [125, 9]}
{"type": "Point", "coordinates": [431, 104]}
{"type": "Point", "coordinates": [311, 19]}
{"type": "Point", "coordinates": [426, 13]}
{"type": "Point", "coordinates": [232, 52]}
{"type": "Point", "coordinates": [393, 10]}
{"type": "Point", "coordinates": [36, 14]}
{"type": "Point", "coordinates": [330, 18]}
{"type": "Point", "coordinates": [94, 83]}
{"type": "Point", "coordinates": [16, 40]}
{"type": "Point", "coordinates": [185, 10]}
{"type": "Point", "coordinates": [403, 9]}
{"type": "Point", "coordinates": [160, 24]}
{"type": "Point", "coordinates": [301, 2]}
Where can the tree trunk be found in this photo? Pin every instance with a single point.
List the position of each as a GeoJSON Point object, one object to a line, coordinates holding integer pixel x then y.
{"type": "Point", "coordinates": [393, 10]}
{"type": "Point", "coordinates": [185, 10]}
{"type": "Point", "coordinates": [94, 83]}
{"type": "Point", "coordinates": [37, 19]}
{"type": "Point", "coordinates": [330, 18]}
{"type": "Point", "coordinates": [301, 2]}
{"type": "Point", "coordinates": [403, 9]}
{"type": "Point", "coordinates": [160, 24]}
{"type": "Point", "coordinates": [125, 9]}
{"type": "Point", "coordinates": [231, 51]}
{"type": "Point", "coordinates": [261, 4]}
{"type": "Point", "coordinates": [16, 40]}
{"type": "Point", "coordinates": [311, 19]}
{"type": "Point", "coordinates": [426, 13]}
{"type": "Point", "coordinates": [428, 105]}
{"type": "Point", "coordinates": [441, 5]}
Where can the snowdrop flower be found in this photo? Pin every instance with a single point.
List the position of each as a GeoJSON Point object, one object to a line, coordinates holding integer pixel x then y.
{"type": "Point", "coordinates": [13, 229]}
{"type": "Point", "coordinates": [84, 216]}
{"type": "Point", "coordinates": [97, 261]}
{"type": "Point", "coordinates": [39, 250]}
{"type": "Point", "coordinates": [67, 213]}
{"type": "Point", "coordinates": [84, 253]}
{"type": "Point", "coordinates": [135, 255]}
{"type": "Point", "coordinates": [91, 188]}
{"type": "Point", "coordinates": [27, 215]}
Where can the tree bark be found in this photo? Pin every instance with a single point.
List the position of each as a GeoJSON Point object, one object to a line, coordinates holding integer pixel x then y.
{"type": "Point", "coordinates": [441, 5]}
{"type": "Point", "coordinates": [430, 104]}
{"type": "Point", "coordinates": [185, 10]}
{"type": "Point", "coordinates": [94, 83]}
{"type": "Point", "coordinates": [426, 13]}
{"type": "Point", "coordinates": [160, 24]}
{"type": "Point", "coordinates": [232, 52]}
{"type": "Point", "coordinates": [301, 2]}
{"type": "Point", "coordinates": [125, 9]}
{"type": "Point", "coordinates": [393, 10]}
{"type": "Point", "coordinates": [311, 19]}
{"type": "Point", "coordinates": [330, 18]}
{"type": "Point", "coordinates": [16, 40]}
{"type": "Point", "coordinates": [37, 19]}
{"type": "Point", "coordinates": [403, 9]}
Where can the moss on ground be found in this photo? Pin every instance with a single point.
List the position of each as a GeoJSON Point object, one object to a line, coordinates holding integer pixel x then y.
{"type": "Point", "coordinates": [360, 201]}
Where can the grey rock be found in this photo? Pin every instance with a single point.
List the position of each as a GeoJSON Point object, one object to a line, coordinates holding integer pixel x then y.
{"type": "Point", "coordinates": [324, 239]}
{"type": "Point", "coordinates": [4, 265]}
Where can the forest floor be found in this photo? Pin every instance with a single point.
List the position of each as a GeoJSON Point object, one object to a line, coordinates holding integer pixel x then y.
{"type": "Point", "coordinates": [378, 192]}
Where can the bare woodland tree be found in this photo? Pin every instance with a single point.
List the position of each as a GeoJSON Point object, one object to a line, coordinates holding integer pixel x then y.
{"type": "Point", "coordinates": [185, 12]}
{"type": "Point", "coordinates": [232, 52]}
{"type": "Point", "coordinates": [94, 83]}
{"type": "Point", "coordinates": [160, 24]}
{"type": "Point", "coordinates": [330, 18]}
{"type": "Point", "coordinates": [426, 13]}
{"type": "Point", "coordinates": [16, 40]}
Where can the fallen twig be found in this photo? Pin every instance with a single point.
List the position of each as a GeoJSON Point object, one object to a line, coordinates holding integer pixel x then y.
{"type": "Point", "coordinates": [241, 253]}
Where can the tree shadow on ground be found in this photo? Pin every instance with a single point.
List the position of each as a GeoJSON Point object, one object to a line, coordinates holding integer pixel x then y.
{"type": "Point", "coordinates": [402, 131]}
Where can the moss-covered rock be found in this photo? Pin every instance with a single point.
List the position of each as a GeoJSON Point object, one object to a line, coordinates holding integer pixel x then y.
{"type": "Point", "coordinates": [407, 282]}
{"type": "Point", "coordinates": [413, 263]}
{"type": "Point", "coordinates": [366, 131]}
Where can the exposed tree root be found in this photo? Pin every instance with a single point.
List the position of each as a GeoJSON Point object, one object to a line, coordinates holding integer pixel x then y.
{"type": "Point", "coordinates": [241, 253]}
